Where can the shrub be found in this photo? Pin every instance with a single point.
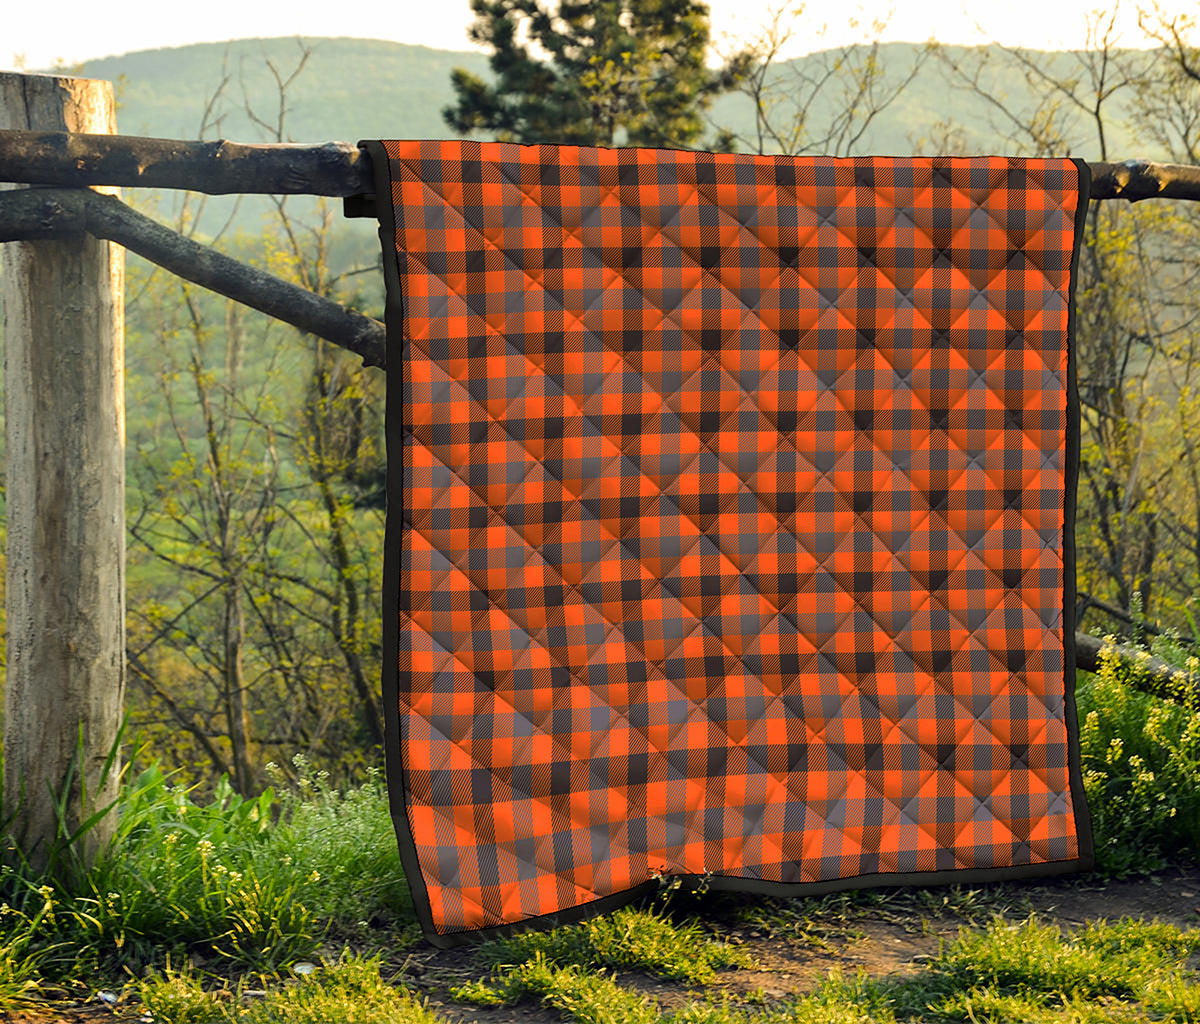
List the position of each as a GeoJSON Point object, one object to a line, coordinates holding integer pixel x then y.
{"type": "Point", "coordinates": [255, 881]}
{"type": "Point", "coordinates": [1141, 767]}
{"type": "Point", "coordinates": [183, 875]}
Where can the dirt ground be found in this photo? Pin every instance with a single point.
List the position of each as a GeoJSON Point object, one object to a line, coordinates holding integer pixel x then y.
{"type": "Point", "coordinates": [887, 941]}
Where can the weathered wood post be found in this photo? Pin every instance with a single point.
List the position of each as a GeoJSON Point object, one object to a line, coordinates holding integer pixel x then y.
{"type": "Point", "coordinates": [64, 396]}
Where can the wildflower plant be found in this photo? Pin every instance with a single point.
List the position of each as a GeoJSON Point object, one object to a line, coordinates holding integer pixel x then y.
{"type": "Point", "coordinates": [1141, 761]}
{"type": "Point", "coordinates": [344, 841]}
{"type": "Point", "coordinates": [194, 871]}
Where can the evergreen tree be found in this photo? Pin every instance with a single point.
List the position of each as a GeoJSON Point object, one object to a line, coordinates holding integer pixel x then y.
{"type": "Point", "coordinates": [622, 72]}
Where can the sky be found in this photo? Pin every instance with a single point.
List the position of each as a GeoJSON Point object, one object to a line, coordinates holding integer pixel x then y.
{"type": "Point", "coordinates": [29, 39]}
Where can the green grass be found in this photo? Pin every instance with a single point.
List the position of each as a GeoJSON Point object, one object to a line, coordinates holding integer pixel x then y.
{"type": "Point", "coordinates": [597, 998]}
{"type": "Point", "coordinates": [345, 835]}
{"type": "Point", "coordinates": [1117, 960]}
{"type": "Point", "coordinates": [348, 991]}
{"type": "Point", "coordinates": [1031, 972]}
{"type": "Point", "coordinates": [836, 1001]}
{"type": "Point", "coordinates": [583, 995]}
{"type": "Point", "coordinates": [823, 923]}
{"type": "Point", "coordinates": [192, 877]}
{"type": "Point", "coordinates": [25, 946]}
{"type": "Point", "coordinates": [630, 938]}
{"type": "Point", "coordinates": [1008, 973]}
{"type": "Point", "coordinates": [254, 883]}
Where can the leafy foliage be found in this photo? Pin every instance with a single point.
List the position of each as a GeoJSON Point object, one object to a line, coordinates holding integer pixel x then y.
{"type": "Point", "coordinates": [1141, 767]}
{"type": "Point", "coordinates": [622, 72]}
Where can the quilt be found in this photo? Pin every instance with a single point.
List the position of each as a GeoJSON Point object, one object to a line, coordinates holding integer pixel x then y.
{"type": "Point", "coordinates": [729, 524]}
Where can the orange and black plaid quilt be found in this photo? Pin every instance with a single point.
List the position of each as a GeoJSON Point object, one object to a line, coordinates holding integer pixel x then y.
{"type": "Point", "coordinates": [729, 529]}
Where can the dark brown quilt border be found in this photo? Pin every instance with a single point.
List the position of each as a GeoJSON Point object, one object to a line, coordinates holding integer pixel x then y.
{"type": "Point", "coordinates": [1083, 817]}
{"type": "Point", "coordinates": [395, 523]}
{"type": "Point", "coordinates": [393, 537]}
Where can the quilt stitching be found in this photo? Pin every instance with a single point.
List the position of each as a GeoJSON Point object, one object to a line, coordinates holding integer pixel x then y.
{"type": "Point", "coordinates": [880, 729]}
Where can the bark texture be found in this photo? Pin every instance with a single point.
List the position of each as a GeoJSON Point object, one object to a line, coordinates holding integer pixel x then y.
{"type": "Point", "coordinates": [219, 167]}
{"type": "Point", "coordinates": [1135, 180]}
{"type": "Point", "coordinates": [342, 169]}
{"type": "Point", "coordinates": [65, 435]}
{"type": "Point", "coordinates": [53, 212]}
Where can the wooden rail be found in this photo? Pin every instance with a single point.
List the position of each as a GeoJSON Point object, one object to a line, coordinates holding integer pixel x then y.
{"type": "Point", "coordinates": [38, 213]}
{"type": "Point", "coordinates": [222, 167]}
{"type": "Point", "coordinates": [216, 168]}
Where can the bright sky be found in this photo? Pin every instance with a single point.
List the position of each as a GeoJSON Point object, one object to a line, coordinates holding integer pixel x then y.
{"type": "Point", "coordinates": [76, 31]}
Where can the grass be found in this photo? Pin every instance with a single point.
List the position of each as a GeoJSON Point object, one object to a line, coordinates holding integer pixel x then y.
{"type": "Point", "coordinates": [204, 905]}
{"type": "Point", "coordinates": [24, 949]}
{"type": "Point", "coordinates": [347, 837]}
{"type": "Point", "coordinates": [1008, 973]}
{"type": "Point", "coordinates": [349, 991]}
{"type": "Point", "coordinates": [1031, 972]}
{"type": "Point", "coordinates": [198, 874]}
{"type": "Point", "coordinates": [253, 883]}
{"type": "Point", "coordinates": [582, 994]}
{"type": "Point", "coordinates": [1117, 960]}
{"type": "Point", "coordinates": [820, 923]}
{"type": "Point", "coordinates": [630, 938]}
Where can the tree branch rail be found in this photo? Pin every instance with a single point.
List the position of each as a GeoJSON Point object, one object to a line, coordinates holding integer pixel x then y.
{"type": "Point", "coordinates": [39, 213]}
{"type": "Point", "coordinates": [221, 167]}
{"type": "Point", "coordinates": [216, 168]}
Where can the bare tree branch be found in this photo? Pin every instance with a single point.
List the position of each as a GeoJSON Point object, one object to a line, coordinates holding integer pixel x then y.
{"type": "Point", "coordinates": [187, 721]}
{"type": "Point", "coordinates": [216, 168]}
{"type": "Point", "coordinates": [340, 169]}
{"type": "Point", "coordinates": [46, 213]}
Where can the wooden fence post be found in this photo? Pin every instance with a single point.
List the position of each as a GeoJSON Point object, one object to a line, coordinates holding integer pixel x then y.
{"type": "Point", "coordinates": [64, 395]}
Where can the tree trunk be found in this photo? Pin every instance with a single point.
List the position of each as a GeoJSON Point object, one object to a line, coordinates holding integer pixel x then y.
{"type": "Point", "coordinates": [65, 434]}
{"type": "Point", "coordinates": [237, 713]}
{"type": "Point", "coordinates": [234, 631]}
{"type": "Point", "coordinates": [346, 635]}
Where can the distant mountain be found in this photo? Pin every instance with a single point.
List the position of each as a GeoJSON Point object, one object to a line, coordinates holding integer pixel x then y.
{"type": "Point", "coordinates": [350, 88]}
{"type": "Point", "coordinates": [367, 88]}
{"type": "Point", "coordinates": [353, 89]}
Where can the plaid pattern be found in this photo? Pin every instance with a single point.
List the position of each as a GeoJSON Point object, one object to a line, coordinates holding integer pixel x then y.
{"type": "Point", "coordinates": [733, 500]}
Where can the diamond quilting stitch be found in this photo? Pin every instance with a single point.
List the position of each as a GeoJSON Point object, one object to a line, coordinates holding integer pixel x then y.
{"type": "Point", "coordinates": [712, 615]}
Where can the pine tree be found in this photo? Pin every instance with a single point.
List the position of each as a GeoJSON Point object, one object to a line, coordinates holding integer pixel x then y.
{"type": "Point", "coordinates": [622, 72]}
